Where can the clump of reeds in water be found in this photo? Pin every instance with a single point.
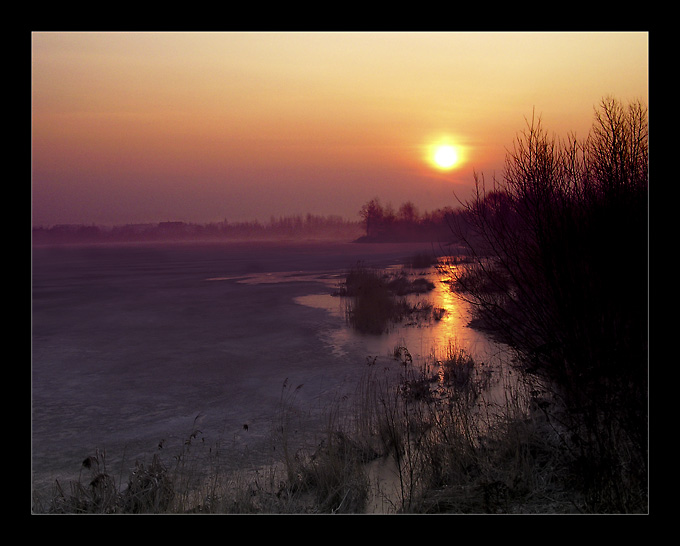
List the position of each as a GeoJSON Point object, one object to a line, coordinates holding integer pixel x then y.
{"type": "Point", "coordinates": [422, 260]}
{"type": "Point", "coordinates": [372, 307]}
{"type": "Point", "coordinates": [376, 300]}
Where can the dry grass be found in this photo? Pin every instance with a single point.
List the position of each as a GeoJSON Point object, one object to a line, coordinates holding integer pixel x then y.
{"type": "Point", "coordinates": [450, 435]}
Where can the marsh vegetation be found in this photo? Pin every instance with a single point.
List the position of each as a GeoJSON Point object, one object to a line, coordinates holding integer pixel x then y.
{"type": "Point", "coordinates": [376, 300]}
{"type": "Point", "coordinates": [425, 437]}
{"type": "Point", "coordinates": [549, 247]}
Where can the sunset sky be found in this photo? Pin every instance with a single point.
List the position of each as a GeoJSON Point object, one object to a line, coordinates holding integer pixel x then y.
{"type": "Point", "coordinates": [203, 127]}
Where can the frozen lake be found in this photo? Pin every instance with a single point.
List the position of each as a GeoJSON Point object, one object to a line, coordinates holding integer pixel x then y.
{"type": "Point", "coordinates": [131, 343]}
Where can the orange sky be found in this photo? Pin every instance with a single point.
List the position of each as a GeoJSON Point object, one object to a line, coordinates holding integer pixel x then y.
{"type": "Point", "coordinates": [200, 127]}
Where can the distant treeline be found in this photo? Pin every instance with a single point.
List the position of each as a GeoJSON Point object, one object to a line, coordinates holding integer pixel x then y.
{"type": "Point", "coordinates": [378, 224]}
{"type": "Point", "coordinates": [289, 227]}
{"type": "Point", "coordinates": [406, 224]}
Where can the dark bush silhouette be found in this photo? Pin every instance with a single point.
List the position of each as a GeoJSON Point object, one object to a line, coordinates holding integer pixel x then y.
{"type": "Point", "coordinates": [559, 272]}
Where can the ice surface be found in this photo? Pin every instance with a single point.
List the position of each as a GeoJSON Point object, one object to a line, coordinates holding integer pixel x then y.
{"type": "Point", "coordinates": [132, 342]}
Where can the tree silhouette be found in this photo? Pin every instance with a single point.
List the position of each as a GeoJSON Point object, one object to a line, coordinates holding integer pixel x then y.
{"type": "Point", "coordinates": [559, 249]}
{"type": "Point", "coordinates": [372, 214]}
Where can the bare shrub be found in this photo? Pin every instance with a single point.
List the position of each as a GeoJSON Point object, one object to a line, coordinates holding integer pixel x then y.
{"type": "Point", "coordinates": [553, 242]}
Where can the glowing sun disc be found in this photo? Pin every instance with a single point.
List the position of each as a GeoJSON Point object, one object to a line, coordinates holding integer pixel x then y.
{"type": "Point", "coordinates": [446, 157]}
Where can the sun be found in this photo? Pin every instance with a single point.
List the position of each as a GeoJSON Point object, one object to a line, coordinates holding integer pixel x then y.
{"type": "Point", "coordinates": [444, 152]}
{"type": "Point", "coordinates": [445, 156]}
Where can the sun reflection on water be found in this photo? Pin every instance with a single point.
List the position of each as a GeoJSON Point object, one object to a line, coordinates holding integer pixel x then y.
{"type": "Point", "coordinates": [425, 339]}
{"type": "Point", "coordinates": [428, 339]}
